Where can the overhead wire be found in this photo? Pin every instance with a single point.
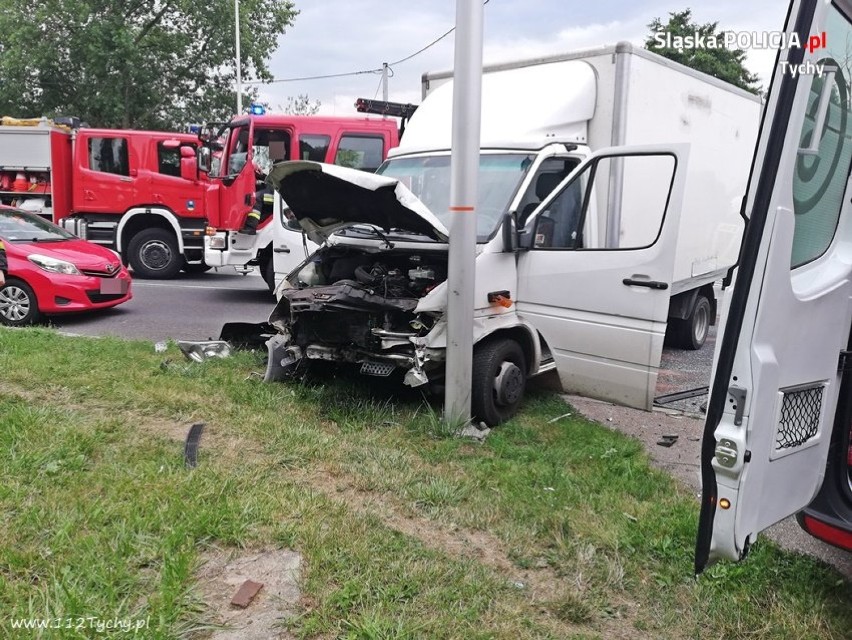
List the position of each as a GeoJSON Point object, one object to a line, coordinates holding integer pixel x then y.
{"type": "Point", "coordinates": [363, 71]}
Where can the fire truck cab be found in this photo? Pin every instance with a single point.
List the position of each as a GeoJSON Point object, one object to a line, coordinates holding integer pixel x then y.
{"type": "Point", "coordinates": [251, 144]}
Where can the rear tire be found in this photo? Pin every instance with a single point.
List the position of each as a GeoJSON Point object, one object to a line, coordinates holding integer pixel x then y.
{"type": "Point", "coordinates": [153, 253]}
{"type": "Point", "coordinates": [499, 380]}
{"type": "Point", "coordinates": [691, 333]}
{"type": "Point", "coordinates": [18, 304]}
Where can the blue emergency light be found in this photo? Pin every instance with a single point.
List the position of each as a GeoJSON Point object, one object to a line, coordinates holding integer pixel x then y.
{"type": "Point", "coordinates": [257, 109]}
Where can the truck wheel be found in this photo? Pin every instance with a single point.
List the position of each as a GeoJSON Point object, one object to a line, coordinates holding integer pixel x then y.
{"type": "Point", "coordinates": [499, 379]}
{"type": "Point", "coordinates": [691, 333]}
{"type": "Point", "coordinates": [154, 254]}
{"type": "Point", "coordinates": [18, 304]}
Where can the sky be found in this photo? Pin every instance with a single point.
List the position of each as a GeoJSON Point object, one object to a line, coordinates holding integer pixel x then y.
{"type": "Point", "coordinates": [341, 36]}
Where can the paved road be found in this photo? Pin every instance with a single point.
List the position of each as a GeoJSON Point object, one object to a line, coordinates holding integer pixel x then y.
{"type": "Point", "coordinates": [192, 307]}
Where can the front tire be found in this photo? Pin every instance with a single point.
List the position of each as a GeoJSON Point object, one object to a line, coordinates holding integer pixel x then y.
{"type": "Point", "coordinates": [154, 254]}
{"type": "Point", "coordinates": [18, 304]}
{"type": "Point", "coordinates": [691, 333]}
{"type": "Point", "coordinates": [499, 380]}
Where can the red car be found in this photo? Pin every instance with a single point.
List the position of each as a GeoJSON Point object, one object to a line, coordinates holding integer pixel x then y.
{"type": "Point", "coordinates": [52, 271]}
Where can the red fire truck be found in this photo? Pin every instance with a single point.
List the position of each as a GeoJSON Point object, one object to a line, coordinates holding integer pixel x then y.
{"type": "Point", "coordinates": [137, 192]}
{"type": "Point", "coordinates": [250, 144]}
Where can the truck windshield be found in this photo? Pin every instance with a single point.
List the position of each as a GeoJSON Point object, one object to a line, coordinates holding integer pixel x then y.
{"type": "Point", "coordinates": [428, 177]}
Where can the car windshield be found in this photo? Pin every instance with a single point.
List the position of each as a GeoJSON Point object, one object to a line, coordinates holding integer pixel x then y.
{"type": "Point", "coordinates": [20, 226]}
{"type": "Point", "coordinates": [428, 177]}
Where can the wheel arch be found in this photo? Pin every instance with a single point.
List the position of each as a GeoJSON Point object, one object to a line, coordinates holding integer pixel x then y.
{"type": "Point", "coordinates": [139, 218]}
{"type": "Point", "coordinates": [525, 336]}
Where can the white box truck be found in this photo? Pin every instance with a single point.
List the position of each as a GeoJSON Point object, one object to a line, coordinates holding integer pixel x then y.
{"type": "Point", "coordinates": [610, 184]}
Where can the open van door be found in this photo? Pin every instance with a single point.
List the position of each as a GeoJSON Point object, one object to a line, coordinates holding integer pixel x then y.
{"type": "Point", "coordinates": [595, 278]}
{"type": "Point", "coordinates": [786, 337]}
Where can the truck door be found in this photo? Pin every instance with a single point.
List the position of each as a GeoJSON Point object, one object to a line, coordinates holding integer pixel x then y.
{"type": "Point", "coordinates": [602, 309]}
{"type": "Point", "coordinates": [237, 175]}
{"type": "Point", "coordinates": [108, 169]}
{"type": "Point", "coordinates": [777, 372]}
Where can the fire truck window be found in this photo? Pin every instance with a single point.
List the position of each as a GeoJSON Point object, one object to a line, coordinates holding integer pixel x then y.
{"type": "Point", "coordinates": [168, 160]}
{"type": "Point", "coordinates": [109, 155]}
{"type": "Point", "coordinates": [269, 146]}
{"type": "Point", "coordinates": [360, 152]}
{"type": "Point", "coordinates": [312, 147]}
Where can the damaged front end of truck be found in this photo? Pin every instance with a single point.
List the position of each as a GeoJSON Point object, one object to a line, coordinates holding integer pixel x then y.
{"type": "Point", "coordinates": [373, 295]}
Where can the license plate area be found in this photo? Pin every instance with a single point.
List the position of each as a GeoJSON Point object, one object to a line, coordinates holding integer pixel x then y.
{"type": "Point", "coordinates": [112, 286]}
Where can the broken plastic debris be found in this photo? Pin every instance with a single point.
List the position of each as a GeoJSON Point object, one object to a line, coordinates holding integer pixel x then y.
{"type": "Point", "coordinates": [564, 415]}
{"type": "Point", "coordinates": [246, 593]}
{"type": "Point", "coordinates": [203, 350]}
{"type": "Point", "coordinates": [472, 431]}
{"type": "Point", "coordinates": [667, 440]}
{"type": "Point", "coordinates": [160, 347]}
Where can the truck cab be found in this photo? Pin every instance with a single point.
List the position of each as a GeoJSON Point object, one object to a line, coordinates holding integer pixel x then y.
{"type": "Point", "coordinates": [152, 180]}
{"type": "Point", "coordinates": [777, 433]}
{"type": "Point", "coordinates": [251, 145]}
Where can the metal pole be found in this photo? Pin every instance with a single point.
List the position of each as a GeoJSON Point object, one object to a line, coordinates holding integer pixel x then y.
{"type": "Point", "coordinates": [464, 166]}
{"type": "Point", "coordinates": [385, 81]}
{"type": "Point", "coordinates": [237, 60]}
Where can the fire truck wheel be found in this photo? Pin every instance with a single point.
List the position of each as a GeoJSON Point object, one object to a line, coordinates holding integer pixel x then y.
{"type": "Point", "coordinates": [154, 254]}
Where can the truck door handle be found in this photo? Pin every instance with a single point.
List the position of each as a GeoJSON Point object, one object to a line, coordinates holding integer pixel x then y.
{"type": "Point", "coordinates": [651, 284]}
{"type": "Point", "coordinates": [282, 249]}
{"type": "Point", "coordinates": [125, 179]}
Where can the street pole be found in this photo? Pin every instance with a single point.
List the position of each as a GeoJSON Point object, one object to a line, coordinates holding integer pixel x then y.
{"type": "Point", "coordinates": [464, 167]}
{"type": "Point", "coordinates": [237, 61]}
{"type": "Point", "coordinates": [385, 81]}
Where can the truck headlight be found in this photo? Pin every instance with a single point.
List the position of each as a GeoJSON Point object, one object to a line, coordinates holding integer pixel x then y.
{"type": "Point", "coordinates": [53, 265]}
{"type": "Point", "coordinates": [216, 242]}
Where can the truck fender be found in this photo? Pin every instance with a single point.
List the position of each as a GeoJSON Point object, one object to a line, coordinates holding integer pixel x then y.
{"type": "Point", "coordinates": [152, 211]}
{"type": "Point", "coordinates": [681, 305]}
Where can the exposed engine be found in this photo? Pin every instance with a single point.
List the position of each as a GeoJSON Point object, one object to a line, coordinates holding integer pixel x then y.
{"type": "Point", "coordinates": [350, 304]}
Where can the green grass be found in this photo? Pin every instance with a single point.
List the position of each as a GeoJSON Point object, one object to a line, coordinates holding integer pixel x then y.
{"type": "Point", "coordinates": [546, 530]}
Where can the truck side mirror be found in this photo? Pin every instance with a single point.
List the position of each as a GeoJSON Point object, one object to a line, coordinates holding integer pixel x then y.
{"type": "Point", "coordinates": [205, 159]}
{"type": "Point", "coordinates": [188, 164]}
{"type": "Point", "coordinates": [510, 238]}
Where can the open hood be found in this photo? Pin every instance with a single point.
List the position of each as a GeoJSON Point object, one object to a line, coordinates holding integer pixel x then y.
{"type": "Point", "coordinates": [326, 198]}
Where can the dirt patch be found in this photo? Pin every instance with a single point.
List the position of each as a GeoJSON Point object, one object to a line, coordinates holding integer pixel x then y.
{"type": "Point", "coordinates": [220, 577]}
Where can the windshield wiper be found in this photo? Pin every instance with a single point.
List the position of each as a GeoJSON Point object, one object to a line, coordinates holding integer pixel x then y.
{"type": "Point", "coordinates": [371, 228]}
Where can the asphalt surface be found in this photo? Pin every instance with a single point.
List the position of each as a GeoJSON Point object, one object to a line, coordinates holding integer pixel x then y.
{"type": "Point", "coordinates": [191, 307]}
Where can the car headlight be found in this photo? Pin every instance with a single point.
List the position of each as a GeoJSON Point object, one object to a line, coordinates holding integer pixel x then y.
{"type": "Point", "coordinates": [53, 265]}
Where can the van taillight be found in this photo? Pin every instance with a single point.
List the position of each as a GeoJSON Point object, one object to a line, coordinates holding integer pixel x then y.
{"type": "Point", "coordinates": [828, 533]}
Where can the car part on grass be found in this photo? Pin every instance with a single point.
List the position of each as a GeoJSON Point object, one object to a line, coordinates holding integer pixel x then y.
{"type": "Point", "coordinates": [204, 350]}
{"type": "Point", "coordinates": [190, 447]}
{"type": "Point", "coordinates": [247, 335]}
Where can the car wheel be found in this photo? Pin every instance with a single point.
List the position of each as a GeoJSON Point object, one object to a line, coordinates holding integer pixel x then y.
{"type": "Point", "coordinates": [153, 253]}
{"type": "Point", "coordinates": [18, 304]}
{"type": "Point", "coordinates": [499, 380]}
{"type": "Point", "coordinates": [691, 333]}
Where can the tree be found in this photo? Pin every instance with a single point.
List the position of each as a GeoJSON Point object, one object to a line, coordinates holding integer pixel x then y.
{"type": "Point", "coordinates": [133, 63]}
{"type": "Point", "coordinates": [719, 62]}
{"type": "Point", "coordinates": [302, 106]}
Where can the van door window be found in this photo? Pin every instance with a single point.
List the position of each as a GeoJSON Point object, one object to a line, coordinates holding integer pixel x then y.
{"type": "Point", "coordinates": [821, 175]}
{"type": "Point", "coordinates": [109, 155]}
{"type": "Point", "coordinates": [360, 152]}
{"type": "Point", "coordinates": [550, 173]}
{"type": "Point", "coordinates": [629, 196]}
{"type": "Point", "coordinates": [313, 147]}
